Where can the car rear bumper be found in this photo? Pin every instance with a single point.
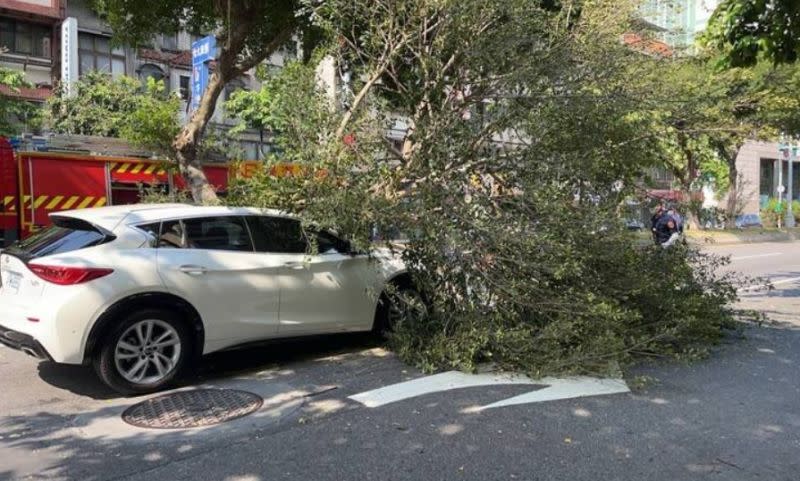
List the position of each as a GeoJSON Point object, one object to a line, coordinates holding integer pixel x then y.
{"type": "Point", "coordinates": [23, 342]}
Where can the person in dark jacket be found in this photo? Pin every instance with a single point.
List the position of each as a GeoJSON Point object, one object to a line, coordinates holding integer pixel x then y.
{"type": "Point", "coordinates": [676, 216]}
{"type": "Point", "coordinates": [667, 232]}
{"type": "Point", "coordinates": [656, 219]}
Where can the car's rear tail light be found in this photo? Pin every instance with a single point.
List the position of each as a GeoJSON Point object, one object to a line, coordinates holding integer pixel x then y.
{"type": "Point", "coordinates": [66, 276]}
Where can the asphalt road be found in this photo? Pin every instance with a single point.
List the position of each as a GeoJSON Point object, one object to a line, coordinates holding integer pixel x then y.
{"type": "Point", "coordinates": [735, 416]}
{"type": "Point", "coordinates": [779, 264]}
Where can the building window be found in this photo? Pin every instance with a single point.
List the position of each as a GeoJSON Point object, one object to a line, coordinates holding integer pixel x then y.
{"type": "Point", "coordinates": [169, 42]}
{"type": "Point", "coordinates": [185, 87]}
{"type": "Point", "coordinates": [25, 38]}
{"type": "Point", "coordinates": [96, 53]}
{"type": "Point", "coordinates": [149, 70]}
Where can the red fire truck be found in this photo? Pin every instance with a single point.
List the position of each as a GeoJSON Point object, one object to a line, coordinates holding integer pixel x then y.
{"type": "Point", "coordinates": [34, 184]}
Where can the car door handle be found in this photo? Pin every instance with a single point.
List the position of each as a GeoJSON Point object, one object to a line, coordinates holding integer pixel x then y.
{"type": "Point", "coordinates": [193, 270]}
{"type": "Point", "coordinates": [295, 265]}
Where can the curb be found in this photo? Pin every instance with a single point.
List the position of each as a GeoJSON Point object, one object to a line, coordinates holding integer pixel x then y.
{"type": "Point", "coordinates": [728, 238]}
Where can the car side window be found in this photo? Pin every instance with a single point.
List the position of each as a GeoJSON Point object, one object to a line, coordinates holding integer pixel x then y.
{"type": "Point", "coordinates": [277, 235]}
{"type": "Point", "coordinates": [328, 243]}
{"type": "Point", "coordinates": [152, 232]}
{"type": "Point", "coordinates": [227, 233]}
{"type": "Point", "coordinates": [172, 235]}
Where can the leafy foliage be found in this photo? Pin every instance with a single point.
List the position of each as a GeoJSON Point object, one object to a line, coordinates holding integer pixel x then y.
{"type": "Point", "coordinates": [247, 32]}
{"type": "Point", "coordinates": [523, 134]}
{"type": "Point", "coordinates": [144, 114]}
{"type": "Point", "coordinates": [775, 210]}
{"type": "Point", "coordinates": [704, 116]}
{"type": "Point", "coordinates": [745, 31]}
{"type": "Point", "coordinates": [15, 112]}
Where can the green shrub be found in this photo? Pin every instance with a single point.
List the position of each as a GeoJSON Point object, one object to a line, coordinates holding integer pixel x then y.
{"type": "Point", "coordinates": [777, 209]}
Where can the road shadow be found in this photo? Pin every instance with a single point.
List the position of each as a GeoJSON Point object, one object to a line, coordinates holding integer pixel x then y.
{"type": "Point", "coordinates": [83, 381]}
{"type": "Point", "coordinates": [733, 416]}
{"type": "Point", "coordinates": [80, 380]}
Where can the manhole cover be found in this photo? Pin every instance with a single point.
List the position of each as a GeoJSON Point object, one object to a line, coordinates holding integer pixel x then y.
{"type": "Point", "coordinates": [191, 409]}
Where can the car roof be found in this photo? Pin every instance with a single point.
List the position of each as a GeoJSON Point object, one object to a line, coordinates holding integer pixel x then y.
{"type": "Point", "coordinates": [110, 217]}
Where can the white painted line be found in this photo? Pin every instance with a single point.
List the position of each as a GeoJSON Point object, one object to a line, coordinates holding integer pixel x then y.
{"type": "Point", "coordinates": [554, 388]}
{"type": "Point", "coordinates": [774, 283]}
{"type": "Point", "coordinates": [569, 388]}
{"type": "Point", "coordinates": [756, 256]}
{"type": "Point", "coordinates": [431, 384]}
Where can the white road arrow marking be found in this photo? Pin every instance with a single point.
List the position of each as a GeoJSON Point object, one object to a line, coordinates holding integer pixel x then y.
{"type": "Point", "coordinates": [756, 256]}
{"type": "Point", "coordinates": [555, 388]}
{"type": "Point", "coordinates": [567, 388]}
{"type": "Point", "coordinates": [774, 283]}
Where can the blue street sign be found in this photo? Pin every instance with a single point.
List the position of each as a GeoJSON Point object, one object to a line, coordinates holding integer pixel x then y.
{"type": "Point", "coordinates": [203, 51]}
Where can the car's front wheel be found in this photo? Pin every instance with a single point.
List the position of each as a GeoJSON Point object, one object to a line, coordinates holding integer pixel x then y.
{"type": "Point", "coordinates": [144, 353]}
{"type": "Point", "coordinates": [399, 304]}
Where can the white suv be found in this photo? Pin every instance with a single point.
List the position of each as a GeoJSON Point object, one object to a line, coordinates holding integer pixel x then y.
{"type": "Point", "coordinates": [141, 291]}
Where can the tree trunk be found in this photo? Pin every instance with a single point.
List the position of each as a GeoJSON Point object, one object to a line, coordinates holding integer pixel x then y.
{"type": "Point", "coordinates": [732, 205]}
{"type": "Point", "coordinates": [187, 141]}
{"type": "Point", "coordinates": [693, 217]}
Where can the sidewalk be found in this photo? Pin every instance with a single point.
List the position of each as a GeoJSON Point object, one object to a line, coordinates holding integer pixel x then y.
{"type": "Point", "coordinates": [742, 236]}
{"type": "Point", "coordinates": [735, 236]}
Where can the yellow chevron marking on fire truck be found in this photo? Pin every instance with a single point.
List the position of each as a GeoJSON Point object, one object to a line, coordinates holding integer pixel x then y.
{"type": "Point", "coordinates": [150, 169]}
{"type": "Point", "coordinates": [100, 202]}
{"type": "Point", "coordinates": [53, 203]}
{"type": "Point", "coordinates": [112, 166]}
{"type": "Point", "coordinates": [9, 199]}
{"type": "Point", "coordinates": [85, 203]}
{"type": "Point", "coordinates": [39, 201]}
{"type": "Point", "coordinates": [68, 204]}
{"type": "Point", "coordinates": [124, 168]}
{"type": "Point", "coordinates": [25, 201]}
{"type": "Point", "coordinates": [161, 172]}
{"type": "Point", "coordinates": [137, 168]}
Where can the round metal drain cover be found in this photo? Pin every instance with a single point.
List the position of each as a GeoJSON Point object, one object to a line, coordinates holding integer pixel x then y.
{"type": "Point", "coordinates": [192, 409]}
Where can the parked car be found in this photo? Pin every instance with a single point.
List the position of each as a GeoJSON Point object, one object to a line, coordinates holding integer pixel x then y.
{"type": "Point", "coordinates": [634, 224]}
{"type": "Point", "coordinates": [748, 220]}
{"type": "Point", "coordinates": [142, 291]}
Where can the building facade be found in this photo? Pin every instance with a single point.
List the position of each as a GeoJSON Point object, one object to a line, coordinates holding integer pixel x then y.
{"type": "Point", "coordinates": [764, 175]}
{"type": "Point", "coordinates": [54, 41]}
{"type": "Point", "coordinates": [29, 43]}
{"type": "Point", "coordinates": [678, 21]}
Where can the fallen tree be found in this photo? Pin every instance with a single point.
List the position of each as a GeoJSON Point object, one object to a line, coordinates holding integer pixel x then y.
{"type": "Point", "coordinates": [519, 140]}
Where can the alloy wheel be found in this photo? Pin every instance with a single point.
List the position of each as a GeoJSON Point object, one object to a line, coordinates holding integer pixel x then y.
{"type": "Point", "coordinates": [147, 351]}
{"type": "Point", "coordinates": [406, 305]}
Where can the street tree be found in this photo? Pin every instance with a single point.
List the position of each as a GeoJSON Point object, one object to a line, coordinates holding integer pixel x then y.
{"type": "Point", "coordinates": [143, 113]}
{"type": "Point", "coordinates": [498, 139]}
{"type": "Point", "coordinates": [746, 31]}
{"type": "Point", "coordinates": [15, 113]}
{"type": "Point", "coordinates": [247, 32]}
{"type": "Point", "coordinates": [701, 116]}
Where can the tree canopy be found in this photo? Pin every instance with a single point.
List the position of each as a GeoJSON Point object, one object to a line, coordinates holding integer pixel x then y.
{"type": "Point", "coordinates": [746, 31]}
{"type": "Point", "coordinates": [499, 139]}
{"type": "Point", "coordinates": [247, 32]}
{"type": "Point", "coordinates": [14, 111]}
{"type": "Point", "coordinates": [145, 114]}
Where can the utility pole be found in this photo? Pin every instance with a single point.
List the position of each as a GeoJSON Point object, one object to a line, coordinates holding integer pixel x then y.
{"type": "Point", "coordinates": [789, 152]}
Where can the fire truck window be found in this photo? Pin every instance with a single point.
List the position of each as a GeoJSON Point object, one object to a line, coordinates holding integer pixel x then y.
{"type": "Point", "coordinates": [172, 235]}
